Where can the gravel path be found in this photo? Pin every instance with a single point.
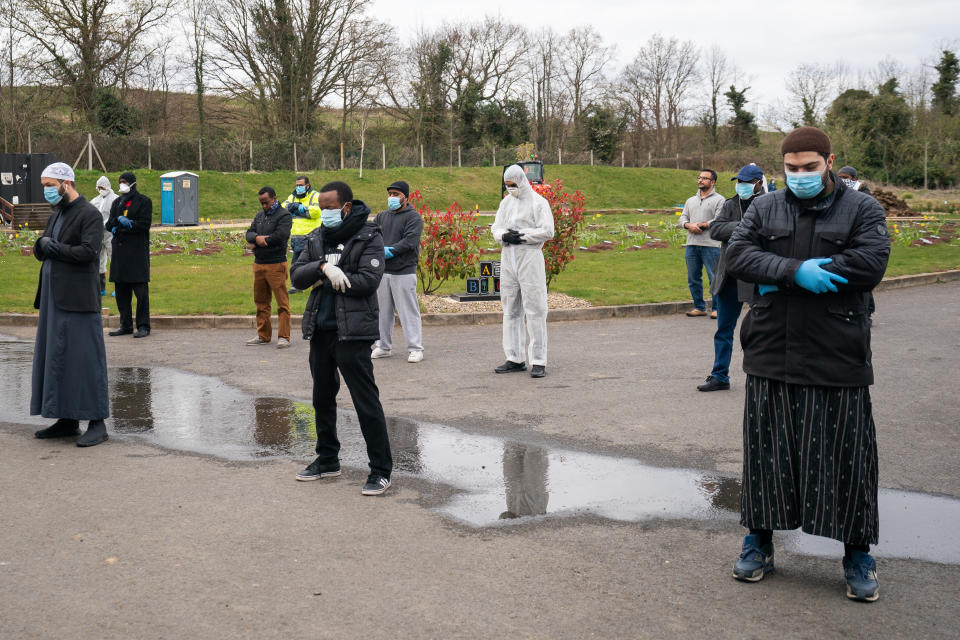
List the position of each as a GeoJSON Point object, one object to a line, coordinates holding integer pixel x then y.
{"type": "Point", "coordinates": [445, 304]}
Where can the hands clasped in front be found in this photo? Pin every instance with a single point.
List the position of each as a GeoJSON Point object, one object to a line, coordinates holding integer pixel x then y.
{"type": "Point", "coordinates": [338, 279]}
{"type": "Point", "coordinates": [512, 236]}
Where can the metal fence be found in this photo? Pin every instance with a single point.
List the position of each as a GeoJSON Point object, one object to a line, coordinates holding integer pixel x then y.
{"type": "Point", "coordinates": [278, 154]}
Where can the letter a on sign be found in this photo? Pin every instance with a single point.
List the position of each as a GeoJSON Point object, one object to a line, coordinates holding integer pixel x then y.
{"type": "Point", "coordinates": [486, 269]}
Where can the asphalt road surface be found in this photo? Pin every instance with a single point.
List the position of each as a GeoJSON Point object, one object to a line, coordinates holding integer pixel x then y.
{"type": "Point", "coordinates": [132, 539]}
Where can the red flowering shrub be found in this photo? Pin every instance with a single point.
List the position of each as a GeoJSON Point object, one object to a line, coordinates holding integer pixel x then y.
{"type": "Point", "coordinates": [567, 225]}
{"type": "Point", "coordinates": [449, 245]}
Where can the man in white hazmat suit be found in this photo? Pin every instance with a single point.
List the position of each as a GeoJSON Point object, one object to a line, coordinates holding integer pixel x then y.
{"type": "Point", "coordinates": [524, 222]}
{"type": "Point", "coordinates": [103, 202]}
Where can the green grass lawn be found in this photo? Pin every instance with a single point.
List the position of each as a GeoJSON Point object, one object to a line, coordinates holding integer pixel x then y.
{"type": "Point", "coordinates": [221, 284]}
{"type": "Point", "coordinates": [233, 196]}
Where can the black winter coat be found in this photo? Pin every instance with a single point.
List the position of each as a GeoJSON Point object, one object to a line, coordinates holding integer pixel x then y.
{"type": "Point", "coordinates": [276, 226]}
{"type": "Point", "coordinates": [74, 258]}
{"type": "Point", "coordinates": [131, 247]}
{"type": "Point", "coordinates": [721, 229]}
{"type": "Point", "coordinates": [357, 311]}
{"type": "Point", "coordinates": [794, 335]}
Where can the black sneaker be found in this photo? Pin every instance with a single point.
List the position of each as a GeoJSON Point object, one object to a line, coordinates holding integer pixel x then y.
{"type": "Point", "coordinates": [712, 384]}
{"type": "Point", "coordinates": [62, 428]}
{"type": "Point", "coordinates": [510, 366]}
{"type": "Point", "coordinates": [316, 470]}
{"type": "Point", "coordinates": [376, 485]}
{"type": "Point", "coordinates": [95, 434]}
{"type": "Point", "coordinates": [538, 371]}
{"type": "Point", "coordinates": [120, 332]}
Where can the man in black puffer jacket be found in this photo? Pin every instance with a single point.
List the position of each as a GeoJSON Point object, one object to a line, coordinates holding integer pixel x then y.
{"type": "Point", "coordinates": [343, 263]}
{"type": "Point", "coordinates": [814, 250]}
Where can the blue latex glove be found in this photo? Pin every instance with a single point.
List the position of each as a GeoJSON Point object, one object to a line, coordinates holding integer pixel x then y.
{"type": "Point", "coordinates": [388, 251]}
{"type": "Point", "coordinates": [767, 288]}
{"type": "Point", "coordinates": [114, 229]}
{"type": "Point", "coordinates": [303, 209]}
{"type": "Point", "coordinates": [812, 278]}
{"type": "Point", "coordinates": [125, 221]}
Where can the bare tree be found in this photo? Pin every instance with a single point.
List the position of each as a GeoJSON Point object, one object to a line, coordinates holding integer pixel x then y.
{"type": "Point", "coordinates": [89, 44]}
{"type": "Point", "coordinates": [810, 87]}
{"type": "Point", "coordinates": [584, 62]}
{"type": "Point", "coordinates": [718, 70]}
{"type": "Point", "coordinates": [155, 76]}
{"type": "Point", "coordinates": [196, 32]}
{"type": "Point", "coordinates": [633, 93]}
{"type": "Point", "coordinates": [364, 67]}
{"type": "Point", "coordinates": [668, 68]}
{"type": "Point", "coordinates": [543, 65]}
{"type": "Point", "coordinates": [283, 57]}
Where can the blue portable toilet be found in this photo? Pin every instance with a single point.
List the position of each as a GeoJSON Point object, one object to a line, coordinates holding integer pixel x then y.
{"type": "Point", "coordinates": [179, 199]}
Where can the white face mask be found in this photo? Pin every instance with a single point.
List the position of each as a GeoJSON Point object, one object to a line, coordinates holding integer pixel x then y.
{"type": "Point", "coordinates": [514, 191]}
{"type": "Point", "coordinates": [124, 188]}
{"type": "Point", "coordinates": [102, 191]}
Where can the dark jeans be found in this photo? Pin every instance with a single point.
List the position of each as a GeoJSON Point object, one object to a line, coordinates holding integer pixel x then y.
{"type": "Point", "coordinates": [728, 307]}
{"type": "Point", "coordinates": [297, 244]}
{"type": "Point", "coordinates": [697, 258]}
{"type": "Point", "coordinates": [142, 291]}
{"type": "Point", "coordinates": [352, 358]}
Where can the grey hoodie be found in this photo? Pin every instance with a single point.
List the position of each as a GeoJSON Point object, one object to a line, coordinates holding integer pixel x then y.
{"type": "Point", "coordinates": [401, 230]}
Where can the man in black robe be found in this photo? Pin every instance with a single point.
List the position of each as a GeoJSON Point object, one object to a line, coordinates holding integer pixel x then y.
{"type": "Point", "coordinates": [69, 360]}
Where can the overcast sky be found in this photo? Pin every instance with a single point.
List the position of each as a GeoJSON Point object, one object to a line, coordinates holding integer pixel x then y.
{"type": "Point", "coordinates": [764, 41]}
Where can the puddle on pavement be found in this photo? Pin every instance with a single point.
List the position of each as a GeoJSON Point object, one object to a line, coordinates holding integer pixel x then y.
{"type": "Point", "coordinates": [495, 481]}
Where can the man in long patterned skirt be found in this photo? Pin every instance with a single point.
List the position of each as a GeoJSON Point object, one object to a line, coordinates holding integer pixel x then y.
{"type": "Point", "coordinates": [814, 251]}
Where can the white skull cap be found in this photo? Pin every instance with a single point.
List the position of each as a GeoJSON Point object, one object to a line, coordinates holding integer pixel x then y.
{"type": "Point", "coordinates": [58, 171]}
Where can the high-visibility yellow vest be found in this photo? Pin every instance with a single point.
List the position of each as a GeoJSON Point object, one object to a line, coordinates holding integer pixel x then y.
{"type": "Point", "coordinates": [310, 200]}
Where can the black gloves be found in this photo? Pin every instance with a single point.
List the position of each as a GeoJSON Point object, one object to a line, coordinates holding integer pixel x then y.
{"type": "Point", "coordinates": [297, 210]}
{"type": "Point", "coordinates": [49, 247]}
{"type": "Point", "coordinates": [512, 237]}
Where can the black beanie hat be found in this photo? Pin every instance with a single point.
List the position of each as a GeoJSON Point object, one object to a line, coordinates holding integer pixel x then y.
{"type": "Point", "coordinates": [806, 139]}
{"type": "Point", "coordinates": [402, 187]}
{"type": "Point", "coordinates": [128, 177]}
{"type": "Point", "coordinates": [850, 171]}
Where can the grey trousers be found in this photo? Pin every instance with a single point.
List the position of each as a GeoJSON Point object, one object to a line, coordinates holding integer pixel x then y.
{"type": "Point", "coordinates": [399, 292]}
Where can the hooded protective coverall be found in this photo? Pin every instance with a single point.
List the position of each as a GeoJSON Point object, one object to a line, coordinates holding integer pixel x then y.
{"type": "Point", "coordinates": [103, 202]}
{"type": "Point", "coordinates": [523, 279]}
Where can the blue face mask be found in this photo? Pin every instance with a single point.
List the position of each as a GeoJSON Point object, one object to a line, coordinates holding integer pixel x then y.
{"type": "Point", "coordinates": [805, 184]}
{"type": "Point", "coordinates": [393, 202]}
{"type": "Point", "coordinates": [331, 217]}
{"type": "Point", "coordinates": [52, 194]}
{"type": "Point", "coordinates": [745, 190]}
{"type": "Point", "coordinates": [300, 189]}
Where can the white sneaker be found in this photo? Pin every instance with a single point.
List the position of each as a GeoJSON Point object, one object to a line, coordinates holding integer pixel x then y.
{"type": "Point", "coordinates": [283, 343]}
{"type": "Point", "coordinates": [415, 356]}
{"type": "Point", "coordinates": [381, 353]}
{"type": "Point", "coordinates": [257, 341]}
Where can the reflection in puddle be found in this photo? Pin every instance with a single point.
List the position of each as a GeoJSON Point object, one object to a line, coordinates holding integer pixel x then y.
{"type": "Point", "coordinates": [494, 480]}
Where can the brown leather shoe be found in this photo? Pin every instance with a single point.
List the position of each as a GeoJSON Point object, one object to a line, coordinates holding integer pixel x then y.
{"type": "Point", "coordinates": [696, 313]}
